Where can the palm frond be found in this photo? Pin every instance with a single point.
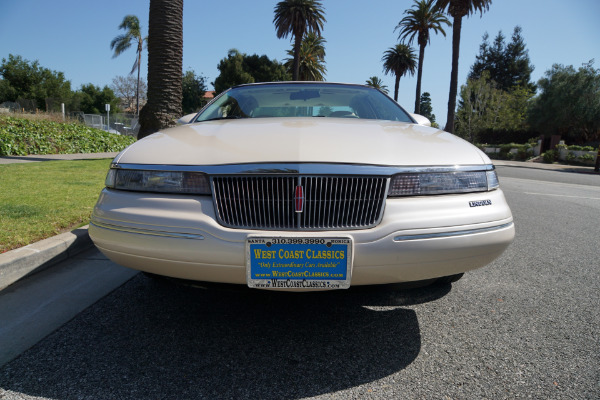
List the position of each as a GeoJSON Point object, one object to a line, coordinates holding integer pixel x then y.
{"type": "Point", "coordinates": [120, 43]}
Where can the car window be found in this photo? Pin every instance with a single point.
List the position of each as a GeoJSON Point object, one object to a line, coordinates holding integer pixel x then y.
{"type": "Point", "coordinates": [303, 100]}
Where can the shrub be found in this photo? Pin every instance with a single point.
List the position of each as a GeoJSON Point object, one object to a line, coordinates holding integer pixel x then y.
{"type": "Point", "coordinates": [20, 136]}
{"type": "Point", "coordinates": [585, 158]}
{"type": "Point", "coordinates": [550, 156]}
{"type": "Point", "coordinates": [571, 157]}
{"type": "Point", "coordinates": [580, 148]}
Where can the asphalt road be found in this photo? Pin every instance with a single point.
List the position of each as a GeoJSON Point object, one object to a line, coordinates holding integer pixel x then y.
{"type": "Point", "coordinates": [526, 326]}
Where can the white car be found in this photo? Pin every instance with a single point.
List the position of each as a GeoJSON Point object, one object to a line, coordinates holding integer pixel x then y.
{"type": "Point", "coordinates": [302, 186]}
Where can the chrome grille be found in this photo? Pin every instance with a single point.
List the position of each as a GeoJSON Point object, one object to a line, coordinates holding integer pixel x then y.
{"type": "Point", "coordinates": [330, 202]}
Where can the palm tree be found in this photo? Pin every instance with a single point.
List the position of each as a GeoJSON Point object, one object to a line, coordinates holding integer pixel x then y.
{"type": "Point", "coordinates": [165, 59]}
{"type": "Point", "coordinates": [457, 9]}
{"type": "Point", "coordinates": [133, 33]}
{"type": "Point", "coordinates": [298, 17]}
{"type": "Point", "coordinates": [419, 20]}
{"type": "Point", "coordinates": [377, 83]}
{"type": "Point", "coordinates": [312, 58]}
{"type": "Point", "coordinates": [399, 60]}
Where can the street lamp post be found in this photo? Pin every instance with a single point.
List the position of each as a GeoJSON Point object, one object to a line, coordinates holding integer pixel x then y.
{"type": "Point", "coordinates": [107, 108]}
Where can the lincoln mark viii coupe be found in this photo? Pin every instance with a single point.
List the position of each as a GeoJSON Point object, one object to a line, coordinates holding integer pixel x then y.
{"type": "Point", "coordinates": [302, 186]}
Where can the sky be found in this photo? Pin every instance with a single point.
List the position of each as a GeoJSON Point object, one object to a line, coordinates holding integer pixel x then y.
{"type": "Point", "coordinates": [73, 36]}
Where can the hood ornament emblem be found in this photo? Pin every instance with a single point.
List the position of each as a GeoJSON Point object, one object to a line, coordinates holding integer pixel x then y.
{"type": "Point", "coordinates": [299, 199]}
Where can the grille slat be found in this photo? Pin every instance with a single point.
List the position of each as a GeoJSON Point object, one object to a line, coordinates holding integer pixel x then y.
{"type": "Point", "coordinates": [268, 202]}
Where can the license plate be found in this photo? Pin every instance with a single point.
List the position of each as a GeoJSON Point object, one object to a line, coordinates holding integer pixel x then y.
{"type": "Point", "coordinates": [299, 263]}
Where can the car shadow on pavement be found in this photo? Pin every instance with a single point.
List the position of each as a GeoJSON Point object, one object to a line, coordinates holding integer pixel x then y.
{"type": "Point", "coordinates": [153, 340]}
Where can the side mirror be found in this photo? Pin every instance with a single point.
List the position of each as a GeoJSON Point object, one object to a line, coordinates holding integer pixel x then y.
{"type": "Point", "coordinates": [421, 120]}
{"type": "Point", "coordinates": [186, 119]}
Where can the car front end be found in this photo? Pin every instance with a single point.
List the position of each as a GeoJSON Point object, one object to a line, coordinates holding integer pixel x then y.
{"type": "Point", "coordinates": [300, 203]}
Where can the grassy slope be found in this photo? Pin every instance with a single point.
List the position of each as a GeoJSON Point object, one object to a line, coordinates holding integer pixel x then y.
{"type": "Point", "coordinates": [39, 200]}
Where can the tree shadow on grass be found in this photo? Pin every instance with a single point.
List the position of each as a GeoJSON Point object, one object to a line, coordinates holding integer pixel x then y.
{"type": "Point", "coordinates": [151, 340]}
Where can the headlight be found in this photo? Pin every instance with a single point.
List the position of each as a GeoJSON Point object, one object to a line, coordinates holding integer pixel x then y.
{"type": "Point", "coordinates": [421, 184]}
{"type": "Point", "coordinates": [180, 182]}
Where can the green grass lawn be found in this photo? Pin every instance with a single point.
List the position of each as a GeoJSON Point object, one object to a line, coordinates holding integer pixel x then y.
{"type": "Point", "coordinates": [42, 199]}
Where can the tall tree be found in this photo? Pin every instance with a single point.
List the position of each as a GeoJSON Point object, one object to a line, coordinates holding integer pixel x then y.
{"type": "Point", "coordinates": [377, 83]}
{"type": "Point", "coordinates": [508, 64]}
{"type": "Point", "coordinates": [193, 89]}
{"type": "Point", "coordinates": [484, 107]}
{"type": "Point", "coordinates": [569, 103]}
{"type": "Point", "coordinates": [263, 69]}
{"type": "Point", "coordinates": [129, 89]}
{"type": "Point", "coordinates": [458, 9]}
{"type": "Point", "coordinates": [29, 80]}
{"type": "Point", "coordinates": [91, 99]}
{"type": "Point", "coordinates": [399, 60]}
{"type": "Point", "coordinates": [418, 22]}
{"type": "Point", "coordinates": [312, 58]}
{"type": "Point", "coordinates": [165, 59]}
{"type": "Point", "coordinates": [133, 34]}
{"type": "Point", "coordinates": [239, 68]}
{"type": "Point", "coordinates": [297, 17]}
{"type": "Point", "coordinates": [426, 108]}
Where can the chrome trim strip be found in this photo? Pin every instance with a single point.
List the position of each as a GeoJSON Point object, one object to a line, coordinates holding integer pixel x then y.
{"type": "Point", "coordinates": [452, 234]}
{"type": "Point", "coordinates": [147, 231]}
{"type": "Point", "coordinates": [305, 168]}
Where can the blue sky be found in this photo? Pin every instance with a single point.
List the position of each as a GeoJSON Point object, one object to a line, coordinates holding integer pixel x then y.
{"type": "Point", "coordinates": [73, 36]}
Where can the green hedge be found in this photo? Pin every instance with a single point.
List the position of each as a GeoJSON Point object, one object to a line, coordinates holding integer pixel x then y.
{"type": "Point", "coordinates": [20, 136]}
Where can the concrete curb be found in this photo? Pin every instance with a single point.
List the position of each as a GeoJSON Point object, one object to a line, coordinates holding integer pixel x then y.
{"type": "Point", "coordinates": [19, 263]}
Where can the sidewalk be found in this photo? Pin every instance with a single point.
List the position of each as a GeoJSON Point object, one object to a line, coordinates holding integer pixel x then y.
{"type": "Point", "coordinates": [549, 167]}
{"type": "Point", "coordinates": [18, 263]}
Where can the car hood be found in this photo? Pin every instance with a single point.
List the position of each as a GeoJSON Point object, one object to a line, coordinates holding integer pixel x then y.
{"type": "Point", "coordinates": [320, 140]}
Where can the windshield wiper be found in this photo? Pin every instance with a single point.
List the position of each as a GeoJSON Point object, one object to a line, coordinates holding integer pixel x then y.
{"type": "Point", "coordinates": [220, 118]}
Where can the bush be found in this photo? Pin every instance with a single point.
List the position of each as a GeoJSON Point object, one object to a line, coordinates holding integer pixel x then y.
{"type": "Point", "coordinates": [571, 157]}
{"type": "Point", "coordinates": [524, 151]}
{"type": "Point", "coordinates": [550, 156]}
{"type": "Point", "coordinates": [20, 136]}
{"type": "Point", "coordinates": [580, 148]}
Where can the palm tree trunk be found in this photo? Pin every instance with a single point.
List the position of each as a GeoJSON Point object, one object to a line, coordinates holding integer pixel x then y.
{"type": "Point", "coordinates": [165, 59]}
{"type": "Point", "coordinates": [419, 75]}
{"type": "Point", "coordinates": [396, 87]}
{"type": "Point", "coordinates": [454, 73]}
{"type": "Point", "coordinates": [297, 44]}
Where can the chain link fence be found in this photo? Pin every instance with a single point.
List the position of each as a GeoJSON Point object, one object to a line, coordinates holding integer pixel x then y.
{"type": "Point", "coordinates": [122, 124]}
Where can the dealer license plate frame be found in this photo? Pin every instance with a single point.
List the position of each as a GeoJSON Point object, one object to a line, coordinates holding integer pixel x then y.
{"type": "Point", "coordinates": [313, 263]}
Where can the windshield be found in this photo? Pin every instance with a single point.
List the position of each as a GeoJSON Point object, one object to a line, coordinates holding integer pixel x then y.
{"type": "Point", "coordinates": [304, 100]}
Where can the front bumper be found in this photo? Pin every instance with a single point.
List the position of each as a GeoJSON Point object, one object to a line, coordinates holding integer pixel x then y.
{"type": "Point", "coordinates": [418, 238]}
